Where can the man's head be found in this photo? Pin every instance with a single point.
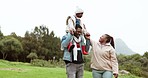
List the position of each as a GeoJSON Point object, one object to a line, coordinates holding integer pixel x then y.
{"type": "Point", "coordinates": [79, 12]}
{"type": "Point", "coordinates": [78, 31]}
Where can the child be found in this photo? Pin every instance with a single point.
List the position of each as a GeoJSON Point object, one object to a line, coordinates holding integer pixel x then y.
{"type": "Point", "coordinates": [71, 22]}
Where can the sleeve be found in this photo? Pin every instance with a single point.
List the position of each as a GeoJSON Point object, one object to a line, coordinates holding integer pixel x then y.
{"type": "Point", "coordinates": [66, 40]}
{"type": "Point", "coordinates": [84, 29]}
{"type": "Point", "coordinates": [93, 43]}
{"type": "Point", "coordinates": [70, 24]}
{"type": "Point", "coordinates": [63, 38]}
{"type": "Point", "coordinates": [114, 61]}
{"type": "Point", "coordinates": [88, 45]}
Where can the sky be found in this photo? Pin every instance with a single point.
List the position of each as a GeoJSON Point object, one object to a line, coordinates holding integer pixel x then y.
{"type": "Point", "coordinates": [125, 19]}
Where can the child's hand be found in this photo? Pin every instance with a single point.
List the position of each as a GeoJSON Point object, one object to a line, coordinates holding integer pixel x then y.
{"type": "Point", "coordinates": [87, 36]}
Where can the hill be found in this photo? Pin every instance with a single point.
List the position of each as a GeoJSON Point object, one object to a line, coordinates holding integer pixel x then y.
{"type": "Point", "coordinates": [122, 48]}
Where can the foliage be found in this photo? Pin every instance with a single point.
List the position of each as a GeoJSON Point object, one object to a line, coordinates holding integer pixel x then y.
{"type": "Point", "coordinates": [40, 41]}
{"type": "Point", "coordinates": [10, 45]}
{"type": "Point", "coordinates": [45, 44]}
{"type": "Point", "coordinates": [87, 59]}
{"type": "Point", "coordinates": [135, 64]}
{"type": "Point", "coordinates": [32, 56]}
{"type": "Point", "coordinates": [49, 63]}
{"type": "Point", "coordinates": [41, 63]}
{"type": "Point", "coordinates": [145, 55]}
{"type": "Point", "coordinates": [128, 76]}
{"type": "Point", "coordinates": [1, 34]}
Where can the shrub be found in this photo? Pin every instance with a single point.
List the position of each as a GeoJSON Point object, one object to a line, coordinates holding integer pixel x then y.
{"type": "Point", "coordinates": [87, 62]}
{"type": "Point", "coordinates": [39, 62]}
{"type": "Point", "coordinates": [49, 63]}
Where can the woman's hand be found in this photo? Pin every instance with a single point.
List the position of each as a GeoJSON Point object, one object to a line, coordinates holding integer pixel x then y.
{"type": "Point", "coordinates": [115, 75]}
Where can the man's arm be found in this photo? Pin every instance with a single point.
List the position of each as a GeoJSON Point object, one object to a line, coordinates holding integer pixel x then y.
{"type": "Point", "coordinates": [66, 40]}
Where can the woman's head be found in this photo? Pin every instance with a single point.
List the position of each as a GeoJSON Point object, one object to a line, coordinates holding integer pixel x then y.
{"type": "Point", "coordinates": [107, 39]}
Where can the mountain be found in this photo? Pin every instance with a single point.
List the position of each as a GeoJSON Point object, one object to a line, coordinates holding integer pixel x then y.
{"type": "Point", "coordinates": [122, 48]}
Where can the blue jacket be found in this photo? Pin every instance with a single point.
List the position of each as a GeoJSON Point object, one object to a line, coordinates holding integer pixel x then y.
{"type": "Point", "coordinates": [65, 41]}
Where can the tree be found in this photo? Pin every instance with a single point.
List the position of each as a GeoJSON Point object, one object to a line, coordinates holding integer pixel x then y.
{"type": "Point", "coordinates": [135, 57]}
{"type": "Point", "coordinates": [29, 44]}
{"type": "Point", "coordinates": [145, 55]}
{"type": "Point", "coordinates": [48, 44]}
{"type": "Point", "coordinates": [1, 35]}
{"type": "Point", "coordinates": [10, 44]}
{"type": "Point", "coordinates": [144, 61]}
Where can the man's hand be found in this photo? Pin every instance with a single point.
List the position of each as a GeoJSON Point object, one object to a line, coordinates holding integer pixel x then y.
{"type": "Point", "coordinates": [71, 31]}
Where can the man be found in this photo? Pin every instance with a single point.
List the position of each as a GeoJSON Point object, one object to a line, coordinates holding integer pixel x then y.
{"type": "Point", "coordinates": [74, 59]}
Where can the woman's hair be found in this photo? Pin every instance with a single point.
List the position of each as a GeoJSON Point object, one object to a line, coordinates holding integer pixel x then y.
{"type": "Point", "coordinates": [110, 40]}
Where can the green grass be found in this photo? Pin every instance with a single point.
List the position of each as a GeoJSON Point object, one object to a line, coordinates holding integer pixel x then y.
{"type": "Point", "coordinates": [25, 70]}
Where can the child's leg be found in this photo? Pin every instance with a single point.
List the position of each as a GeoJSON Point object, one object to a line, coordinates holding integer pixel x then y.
{"type": "Point", "coordinates": [83, 46]}
{"type": "Point", "coordinates": [84, 50]}
{"type": "Point", "coordinates": [70, 46]}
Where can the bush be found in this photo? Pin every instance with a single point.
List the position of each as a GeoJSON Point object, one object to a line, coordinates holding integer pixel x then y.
{"type": "Point", "coordinates": [39, 62]}
{"type": "Point", "coordinates": [49, 63]}
{"type": "Point", "coordinates": [145, 74]}
{"type": "Point", "coordinates": [132, 66]}
{"type": "Point", "coordinates": [87, 62]}
{"type": "Point", "coordinates": [32, 56]}
{"type": "Point", "coordinates": [57, 63]}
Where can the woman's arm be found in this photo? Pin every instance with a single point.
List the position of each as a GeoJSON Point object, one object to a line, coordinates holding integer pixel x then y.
{"type": "Point", "coordinates": [114, 62]}
{"type": "Point", "coordinates": [89, 41]}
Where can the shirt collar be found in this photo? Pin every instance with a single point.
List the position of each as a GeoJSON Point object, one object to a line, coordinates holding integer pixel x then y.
{"type": "Point", "coordinates": [107, 44]}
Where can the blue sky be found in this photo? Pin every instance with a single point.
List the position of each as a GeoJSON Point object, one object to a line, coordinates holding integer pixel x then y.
{"type": "Point", "coordinates": [125, 19]}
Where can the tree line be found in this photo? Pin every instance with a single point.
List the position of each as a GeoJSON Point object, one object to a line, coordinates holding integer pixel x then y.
{"type": "Point", "coordinates": [40, 43]}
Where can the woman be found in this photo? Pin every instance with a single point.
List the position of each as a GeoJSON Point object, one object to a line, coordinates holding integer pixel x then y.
{"type": "Point", "coordinates": [104, 62]}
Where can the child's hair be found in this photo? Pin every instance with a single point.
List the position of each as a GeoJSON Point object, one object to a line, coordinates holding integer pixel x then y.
{"type": "Point", "coordinates": [110, 40]}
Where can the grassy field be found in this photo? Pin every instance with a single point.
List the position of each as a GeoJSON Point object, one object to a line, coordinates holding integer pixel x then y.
{"type": "Point", "coordinates": [25, 70]}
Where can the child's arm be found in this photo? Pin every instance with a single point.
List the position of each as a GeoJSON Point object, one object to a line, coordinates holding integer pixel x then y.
{"type": "Point", "coordinates": [84, 29]}
{"type": "Point", "coordinates": [70, 24]}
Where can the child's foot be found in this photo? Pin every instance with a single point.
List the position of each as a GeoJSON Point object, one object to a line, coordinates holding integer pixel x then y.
{"type": "Point", "coordinates": [70, 47]}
